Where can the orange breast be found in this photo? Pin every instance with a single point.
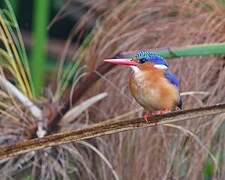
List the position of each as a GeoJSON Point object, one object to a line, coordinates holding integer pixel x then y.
{"type": "Point", "coordinates": [152, 90]}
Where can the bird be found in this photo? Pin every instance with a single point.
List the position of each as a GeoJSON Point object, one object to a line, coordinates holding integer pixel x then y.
{"type": "Point", "coordinates": [153, 85]}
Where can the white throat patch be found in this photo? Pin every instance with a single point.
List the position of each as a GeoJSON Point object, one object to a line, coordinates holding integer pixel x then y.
{"type": "Point", "coordinates": [135, 69]}
{"type": "Point", "coordinates": [160, 66]}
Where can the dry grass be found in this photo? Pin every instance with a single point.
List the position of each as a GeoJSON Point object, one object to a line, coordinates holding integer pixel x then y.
{"type": "Point", "coordinates": [161, 152]}
{"type": "Point", "coordinates": [157, 153]}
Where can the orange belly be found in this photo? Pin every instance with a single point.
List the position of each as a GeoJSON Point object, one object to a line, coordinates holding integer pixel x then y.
{"type": "Point", "coordinates": [153, 91]}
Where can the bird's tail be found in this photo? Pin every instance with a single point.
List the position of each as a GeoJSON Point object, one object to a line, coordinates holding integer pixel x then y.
{"type": "Point", "coordinates": [180, 104]}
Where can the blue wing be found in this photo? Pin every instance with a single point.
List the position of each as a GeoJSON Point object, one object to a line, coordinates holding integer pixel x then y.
{"type": "Point", "coordinates": [151, 57]}
{"type": "Point", "coordinates": [172, 78]}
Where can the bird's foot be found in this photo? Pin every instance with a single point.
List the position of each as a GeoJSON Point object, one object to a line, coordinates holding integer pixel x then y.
{"type": "Point", "coordinates": [148, 116]}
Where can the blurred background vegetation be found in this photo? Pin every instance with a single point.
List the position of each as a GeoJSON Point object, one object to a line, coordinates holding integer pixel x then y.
{"type": "Point", "coordinates": [67, 41]}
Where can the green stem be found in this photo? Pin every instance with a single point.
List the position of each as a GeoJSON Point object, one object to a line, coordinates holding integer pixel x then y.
{"type": "Point", "coordinates": [41, 12]}
{"type": "Point", "coordinates": [192, 50]}
{"type": "Point", "coordinates": [195, 50]}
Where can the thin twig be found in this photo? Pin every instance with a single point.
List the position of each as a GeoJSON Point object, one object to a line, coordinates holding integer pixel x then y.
{"type": "Point", "coordinates": [105, 128]}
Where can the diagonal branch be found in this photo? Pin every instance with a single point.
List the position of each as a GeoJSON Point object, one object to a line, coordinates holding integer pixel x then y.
{"type": "Point", "coordinates": [106, 128]}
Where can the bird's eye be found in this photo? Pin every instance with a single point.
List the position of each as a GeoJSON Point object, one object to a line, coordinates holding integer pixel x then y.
{"type": "Point", "coordinates": [142, 60]}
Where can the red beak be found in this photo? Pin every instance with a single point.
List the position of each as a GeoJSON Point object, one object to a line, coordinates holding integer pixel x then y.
{"type": "Point", "coordinates": [127, 62]}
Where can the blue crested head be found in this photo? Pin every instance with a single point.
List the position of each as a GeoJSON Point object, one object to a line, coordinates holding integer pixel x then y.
{"type": "Point", "coordinates": [148, 56]}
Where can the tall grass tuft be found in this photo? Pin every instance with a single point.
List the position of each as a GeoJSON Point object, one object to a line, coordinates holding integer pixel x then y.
{"type": "Point", "coordinates": [13, 54]}
{"type": "Point", "coordinates": [14, 4]}
{"type": "Point", "coordinates": [22, 118]}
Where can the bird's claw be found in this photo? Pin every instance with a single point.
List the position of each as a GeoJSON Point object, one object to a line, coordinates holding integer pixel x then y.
{"type": "Point", "coordinates": [148, 116]}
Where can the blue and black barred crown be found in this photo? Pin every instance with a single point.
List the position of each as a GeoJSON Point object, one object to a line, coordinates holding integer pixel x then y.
{"type": "Point", "coordinates": [144, 56]}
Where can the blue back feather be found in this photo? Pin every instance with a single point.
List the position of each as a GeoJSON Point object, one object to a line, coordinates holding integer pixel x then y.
{"type": "Point", "coordinates": [172, 78]}
{"type": "Point", "coordinates": [151, 57]}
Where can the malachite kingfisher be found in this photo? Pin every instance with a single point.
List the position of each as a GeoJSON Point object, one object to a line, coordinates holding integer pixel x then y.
{"type": "Point", "coordinates": [151, 83]}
